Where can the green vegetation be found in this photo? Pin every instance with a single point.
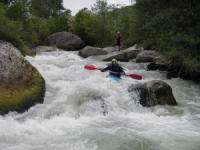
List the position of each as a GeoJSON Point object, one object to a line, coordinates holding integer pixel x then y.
{"type": "Point", "coordinates": [171, 27]}
{"type": "Point", "coordinates": [99, 26]}
{"type": "Point", "coordinates": [27, 23]}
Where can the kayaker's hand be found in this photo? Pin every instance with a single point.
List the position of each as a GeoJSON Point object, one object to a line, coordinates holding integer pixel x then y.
{"type": "Point", "coordinates": [102, 70]}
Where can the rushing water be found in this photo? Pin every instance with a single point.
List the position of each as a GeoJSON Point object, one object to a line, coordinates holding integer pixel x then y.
{"type": "Point", "coordinates": [84, 110]}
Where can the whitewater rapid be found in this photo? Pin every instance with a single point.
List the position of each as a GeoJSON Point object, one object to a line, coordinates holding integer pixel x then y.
{"type": "Point", "coordinates": [84, 110]}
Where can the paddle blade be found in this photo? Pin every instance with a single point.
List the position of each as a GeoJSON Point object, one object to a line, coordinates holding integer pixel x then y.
{"type": "Point", "coordinates": [135, 76]}
{"type": "Point", "coordinates": [90, 67]}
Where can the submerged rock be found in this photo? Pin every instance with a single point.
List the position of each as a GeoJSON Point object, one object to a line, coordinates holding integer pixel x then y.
{"type": "Point", "coordinates": [91, 51]}
{"type": "Point", "coordinates": [65, 40]}
{"type": "Point", "coordinates": [195, 75]}
{"type": "Point", "coordinates": [21, 84]}
{"type": "Point", "coordinates": [153, 93]}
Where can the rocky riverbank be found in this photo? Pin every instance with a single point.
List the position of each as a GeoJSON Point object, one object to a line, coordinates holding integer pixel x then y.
{"type": "Point", "coordinates": [174, 67]}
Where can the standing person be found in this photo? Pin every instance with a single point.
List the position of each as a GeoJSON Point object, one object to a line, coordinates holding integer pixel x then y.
{"type": "Point", "coordinates": [118, 40]}
{"type": "Point", "coordinates": [114, 69]}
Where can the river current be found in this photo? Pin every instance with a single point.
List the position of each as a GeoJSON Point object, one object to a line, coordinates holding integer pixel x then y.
{"type": "Point", "coordinates": [84, 110]}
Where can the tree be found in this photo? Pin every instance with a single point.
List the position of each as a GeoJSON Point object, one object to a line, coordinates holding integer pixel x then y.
{"type": "Point", "coordinates": [6, 1]}
{"type": "Point", "coordinates": [61, 22]}
{"type": "Point", "coordinates": [101, 8]}
{"type": "Point", "coordinates": [84, 26]}
{"type": "Point", "coordinates": [47, 8]}
{"type": "Point", "coordinates": [170, 26]}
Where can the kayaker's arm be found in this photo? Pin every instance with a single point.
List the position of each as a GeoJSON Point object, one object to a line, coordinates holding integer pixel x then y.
{"type": "Point", "coordinates": [105, 69]}
{"type": "Point", "coordinates": [122, 72]}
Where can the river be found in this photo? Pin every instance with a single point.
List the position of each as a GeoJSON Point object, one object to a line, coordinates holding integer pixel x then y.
{"type": "Point", "coordinates": [84, 110]}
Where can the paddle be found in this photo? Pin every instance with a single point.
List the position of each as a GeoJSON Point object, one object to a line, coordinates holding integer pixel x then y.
{"type": "Point", "coordinates": [91, 67]}
{"type": "Point", "coordinates": [133, 76]}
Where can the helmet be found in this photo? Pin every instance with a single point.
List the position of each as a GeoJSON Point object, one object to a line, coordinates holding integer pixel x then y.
{"type": "Point", "coordinates": [114, 61]}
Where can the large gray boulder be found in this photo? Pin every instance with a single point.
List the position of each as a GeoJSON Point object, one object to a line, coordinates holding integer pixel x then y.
{"type": "Point", "coordinates": [21, 84]}
{"type": "Point", "coordinates": [91, 51]}
{"type": "Point", "coordinates": [146, 56]}
{"type": "Point", "coordinates": [109, 49]}
{"type": "Point", "coordinates": [153, 93]}
{"type": "Point", "coordinates": [12, 63]}
{"type": "Point", "coordinates": [65, 40]}
{"type": "Point", "coordinates": [124, 55]}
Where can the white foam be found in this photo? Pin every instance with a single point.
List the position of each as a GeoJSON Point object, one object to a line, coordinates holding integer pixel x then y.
{"type": "Point", "coordinates": [85, 110]}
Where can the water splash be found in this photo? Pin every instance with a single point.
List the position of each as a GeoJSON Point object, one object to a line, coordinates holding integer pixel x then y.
{"type": "Point", "coordinates": [85, 110]}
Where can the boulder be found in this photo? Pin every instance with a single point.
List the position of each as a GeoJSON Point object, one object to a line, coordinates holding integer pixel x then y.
{"type": "Point", "coordinates": [91, 51]}
{"type": "Point", "coordinates": [159, 63]}
{"type": "Point", "coordinates": [65, 40]}
{"type": "Point", "coordinates": [40, 49]}
{"type": "Point", "coordinates": [153, 93]}
{"type": "Point", "coordinates": [177, 68]}
{"type": "Point", "coordinates": [174, 68]}
{"type": "Point", "coordinates": [155, 66]}
{"type": "Point", "coordinates": [185, 73]}
{"type": "Point", "coordinates": [189, 74]}
{"type": "Point", "coordinates": [124, 55]}
{"type": "Point", "coordinates": [109, 49]}
{"type": "Point", "coordinates": [21, 84]}
{"type": "Point", "coordinates": [146, 56]}
{"type": "Point", "coordinates": [195, 75]}
{"type": "Point", "coordinates": [139, 93]}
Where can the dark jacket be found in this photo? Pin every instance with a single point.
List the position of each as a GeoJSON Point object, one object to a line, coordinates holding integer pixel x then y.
{"type": "Point", "coordinates": [118, 40]}
{"type": "Point", "coordinates": [115, 70]}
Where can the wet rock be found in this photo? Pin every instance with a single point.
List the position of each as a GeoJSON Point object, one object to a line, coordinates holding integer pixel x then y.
{"type": "Point", "coordinates": [139, 93]}
{"type": "Point", "coordinates": [124, 55]}
{"type": "Point", "coordinates": [177, 68]}
{"type": "Point", "coordinates": [21, 84]}
{"type": "Point", "coordinates": [155, 66]}
{"type": "Point", "coordinates": [174, 68]}
{"type": "Point", "coordinates": [195, 75]}
{"type": "Point", "coordinates": [109, 49]}
{"type": "Point", "coordinates": [159, 63]}
{"type": "Point", "coordinates": [65, 40]}
{"type": "Point", "coordinates": [184, 73]}
{"type": "Point", "coordinates": [91, 51]}
{"type": "Point", "coordinates": [160, 93]}
{"type": "Point", "coordinates": [146, 56]}
{"type": "Point", "coordinates": [153, 93]}
{"type": "Point", "coordinates": [189, 74]}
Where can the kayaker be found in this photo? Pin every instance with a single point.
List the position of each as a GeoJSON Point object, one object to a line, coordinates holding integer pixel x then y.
{"type": "Point", "coordinates": [114, 69]}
